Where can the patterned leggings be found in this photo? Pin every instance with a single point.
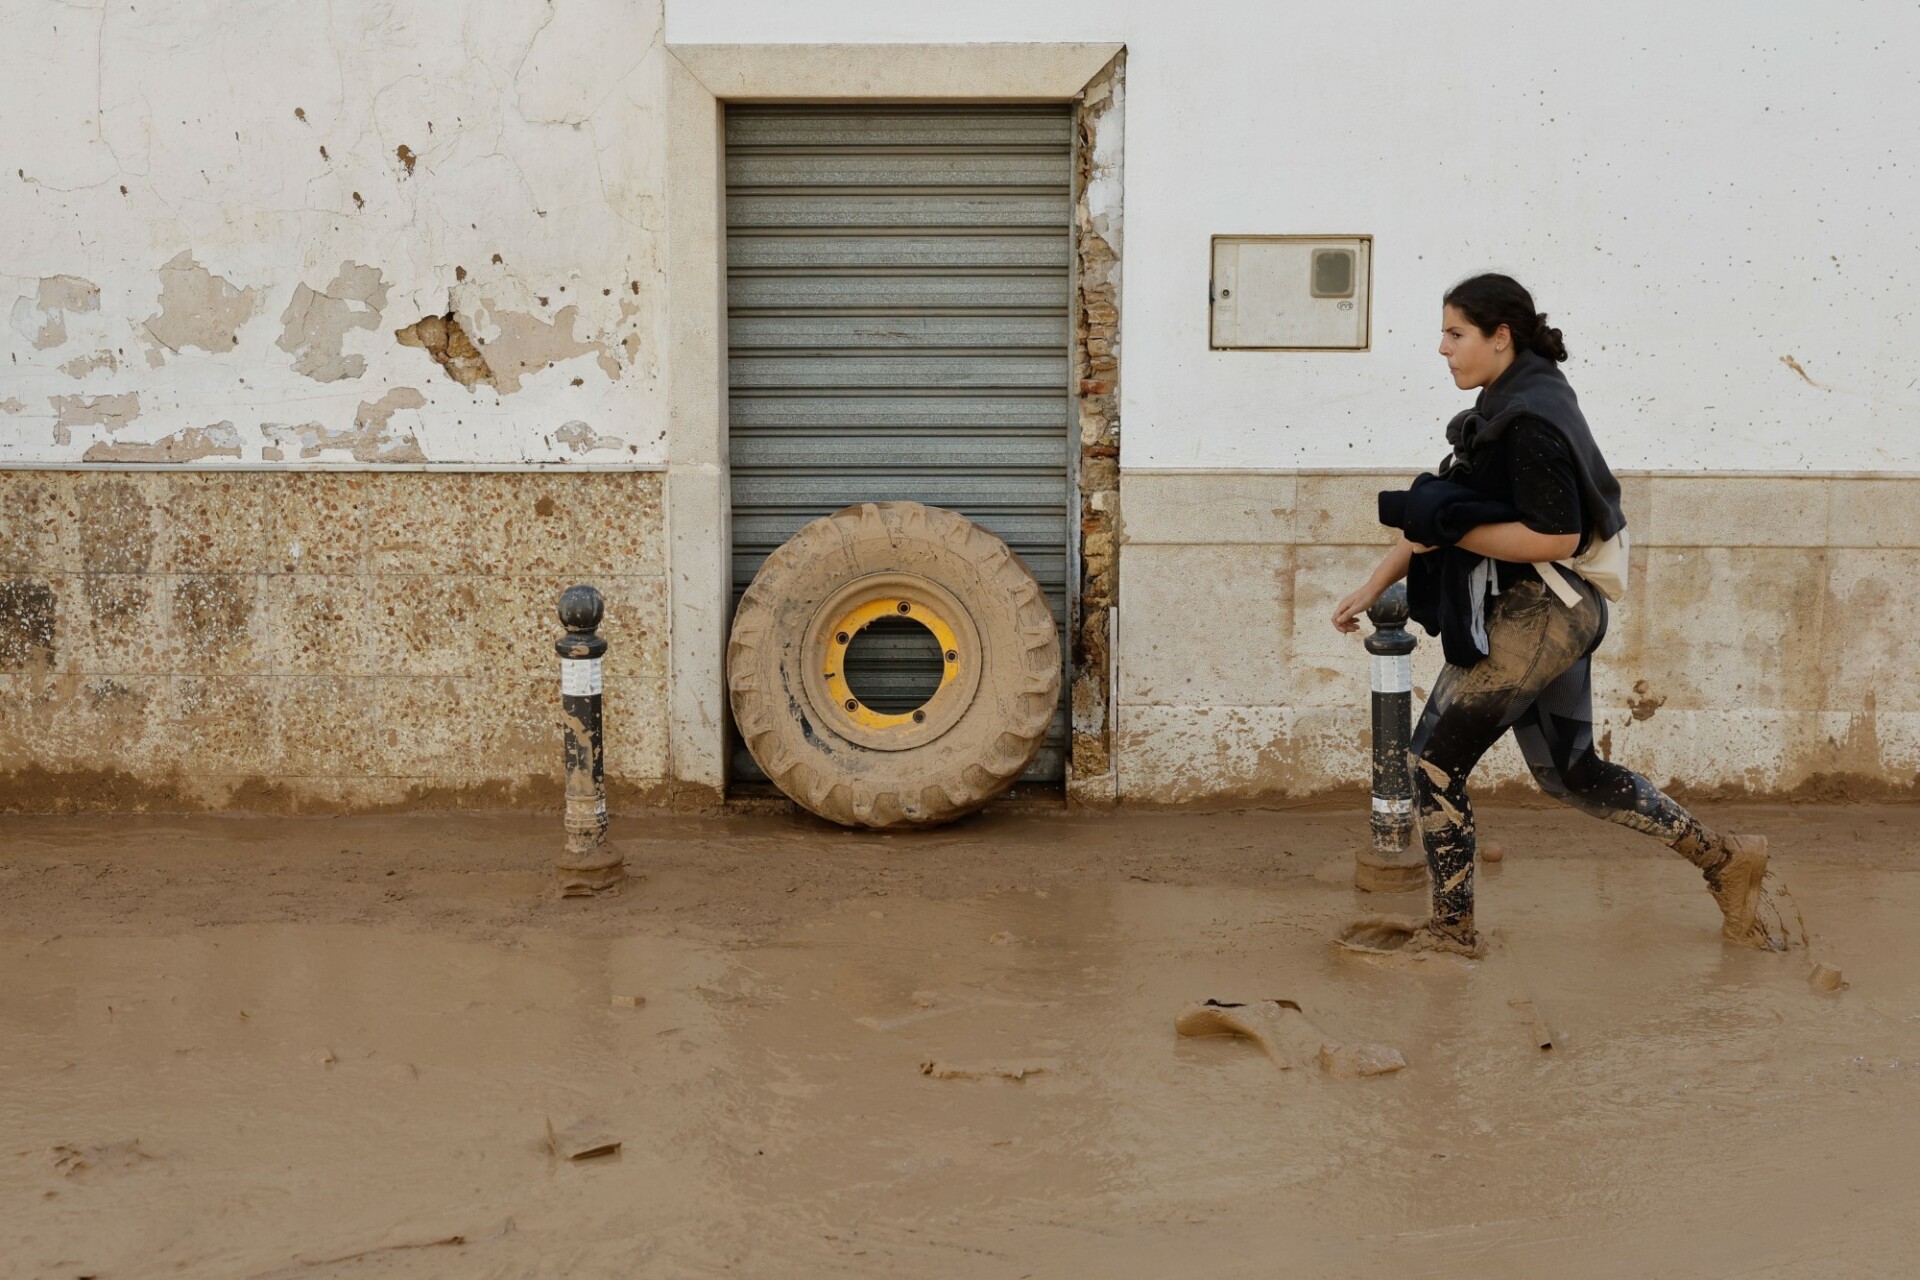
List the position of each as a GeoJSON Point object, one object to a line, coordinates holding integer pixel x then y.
{"type": "Point", "coordinates": [1536, 680]}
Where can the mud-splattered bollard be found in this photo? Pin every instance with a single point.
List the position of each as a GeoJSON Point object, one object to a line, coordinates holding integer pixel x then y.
{"type": "Point", "coordinates": [586, 866]}
{"type": "Point", "coordinates": [1390, 862]}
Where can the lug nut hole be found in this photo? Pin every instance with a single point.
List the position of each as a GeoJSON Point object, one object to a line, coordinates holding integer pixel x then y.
{"type": "Point", "coordinates": [905, 607]}
{"type": "Point", "coordinates": [919, 717]}
{"type": "Point", "coordinates": [853, 704]}
{"type": "Point", "coordinates": [842, 638]}
{"type": "Point", "coordinates": [952, 656]}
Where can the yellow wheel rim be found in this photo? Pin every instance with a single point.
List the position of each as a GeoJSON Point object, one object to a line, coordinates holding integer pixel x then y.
{"type": "Point", "coordinates": [856, 620]}
{"type": "Point", "coordinates": [858, 605]}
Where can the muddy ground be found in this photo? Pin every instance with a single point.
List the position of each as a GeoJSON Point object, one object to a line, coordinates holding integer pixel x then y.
{"type": "Point", "coordinates": [258, 1047]}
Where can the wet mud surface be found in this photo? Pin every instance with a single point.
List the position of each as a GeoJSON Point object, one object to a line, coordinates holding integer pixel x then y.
{"type": "Point", "coordinates": [379, 1047]}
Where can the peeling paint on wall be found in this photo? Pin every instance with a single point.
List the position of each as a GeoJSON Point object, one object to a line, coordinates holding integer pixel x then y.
{"type": "Point", "coordinates": [111, 412]}
{"type": "Point", "coordinates": [198, 308]}
{"type": "Point", "coordinates": [579, 437]}
{"type": "Point", "coordinates": [369, 440]}
{"type": "Point", "coordinates": [42, 319]}
{"type": "Point", "coordinates": [221, 440]}
{"type": "Point", "coordinates": [315, 323]}
{"type": "Point", "coordinates": [525, 345]}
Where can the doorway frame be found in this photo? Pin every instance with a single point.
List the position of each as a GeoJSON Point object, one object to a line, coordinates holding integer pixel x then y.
{"type": "Point", "coordinates": [701, 79]}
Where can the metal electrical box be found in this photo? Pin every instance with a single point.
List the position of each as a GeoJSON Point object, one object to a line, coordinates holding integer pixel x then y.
{"type": "Point", "coordinates": [1292, 293]}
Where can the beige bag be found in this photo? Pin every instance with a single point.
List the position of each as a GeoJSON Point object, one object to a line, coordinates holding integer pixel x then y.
{"type": "Point", "coordinates": [1604, 564]}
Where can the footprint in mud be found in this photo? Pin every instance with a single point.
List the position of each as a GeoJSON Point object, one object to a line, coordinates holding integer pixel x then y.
{"type": "Point", "coordinates": [1402, 937]}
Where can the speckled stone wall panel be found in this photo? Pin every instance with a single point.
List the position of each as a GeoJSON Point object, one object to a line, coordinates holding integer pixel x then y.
{"type": "Point", "coordinates": [317, 641]}
{"type": "Point", "coordinates": [1765, 647]}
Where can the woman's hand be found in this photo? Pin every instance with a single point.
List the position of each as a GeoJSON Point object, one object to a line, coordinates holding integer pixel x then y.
{"type": "Point", "coordinates": [1346, 614]}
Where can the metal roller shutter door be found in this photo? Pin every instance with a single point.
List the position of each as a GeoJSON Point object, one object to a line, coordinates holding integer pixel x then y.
{"type": "Point", "coordinates": [897, 327]}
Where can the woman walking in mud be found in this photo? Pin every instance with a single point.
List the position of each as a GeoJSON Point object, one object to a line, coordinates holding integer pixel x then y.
{"type": "Point", "coordinates": [1489, 548]}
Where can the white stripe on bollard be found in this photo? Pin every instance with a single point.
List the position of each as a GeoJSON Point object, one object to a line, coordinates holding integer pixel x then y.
{"type": "Point", "coordinates": [1383, 805]}
{"type": "Point", "coordinates": [1393, 673]}
{"type": "Point", "coordinates": [579, 677]}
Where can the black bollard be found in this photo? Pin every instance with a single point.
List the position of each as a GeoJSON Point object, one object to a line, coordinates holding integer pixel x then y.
{"type": "Point", "coordinates": [1391, 862]}
{"type": "Point", "coordinates": [586, 866]}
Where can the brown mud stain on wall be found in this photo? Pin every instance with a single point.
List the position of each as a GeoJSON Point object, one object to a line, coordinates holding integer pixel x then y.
{"type": "Point", "coordinates": [13, 405]}
{"type": "Point", "coordinates": [314, 326]}
{"type": "Point", "coordinates": [191, 444]}
{"type": "Point", "coordinates": [1795, 365]}
{"type": "Point", "coordinates": [111, 412]}
{"type": "Point", "coordinates": [42, 319]}
{"type": "Point", "coordinates": [404, 154]}
{"type": "Point", "coordinates": [198, 308]}
{"type": "Point", "coordinates": [579, 437]}
{"type": "Point", "coordinates": [81, 366]}
{"type": "Point", "coordinates": [446, 340]}
{"type": "Point", "coordinates": [26, 624]}
{"type": "Point", "coordinates": [370, 439]}
{"type": "Point", "coordinates": [34, 788]}
{"type": "Point", "coordinates": [1644, 701]}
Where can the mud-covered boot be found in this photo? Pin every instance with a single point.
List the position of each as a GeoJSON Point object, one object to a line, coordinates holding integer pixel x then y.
{"type": "Point", "coordinates": [1737, 881]}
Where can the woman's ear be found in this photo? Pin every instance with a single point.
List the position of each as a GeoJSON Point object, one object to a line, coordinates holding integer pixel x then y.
{"type": "Point", "coordinates": [1502, 338]}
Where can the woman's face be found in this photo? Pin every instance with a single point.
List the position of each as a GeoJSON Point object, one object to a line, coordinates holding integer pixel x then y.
{"type": "Point", "coordinates": [1475, 359]}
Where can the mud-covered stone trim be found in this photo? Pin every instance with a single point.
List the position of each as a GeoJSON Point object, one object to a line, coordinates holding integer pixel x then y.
{"type": "Point", "coordinates": [1096, 362]}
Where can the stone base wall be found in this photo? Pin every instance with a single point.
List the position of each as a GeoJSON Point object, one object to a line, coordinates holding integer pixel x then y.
{"type": "Point", "coordinates": [317, 641]}
{"type": "Point", "coordinates": [1766, 647]}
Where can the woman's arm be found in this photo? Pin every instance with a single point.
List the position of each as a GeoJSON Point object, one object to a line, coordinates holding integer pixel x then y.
{"type": "Point", "coordinates": [1392, 568]}
{"type": "Point", "coordinates": [1515, 542]}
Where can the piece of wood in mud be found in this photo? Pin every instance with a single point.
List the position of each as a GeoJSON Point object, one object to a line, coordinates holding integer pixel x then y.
{"type": "Point", "coordinates": [630, 1001]}
{"type": "Point", "coordinates": [1014, 1071]}
{"type": "Point", "coordinates": [1536, 1021]}
{"type": "Point", "coordinates": [581, 1140]}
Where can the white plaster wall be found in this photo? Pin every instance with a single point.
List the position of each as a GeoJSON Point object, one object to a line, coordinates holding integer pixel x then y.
{"type": "Point", "coordinates": [1696, 192]}
{"type": "Point", "coordinates": [138, 133]}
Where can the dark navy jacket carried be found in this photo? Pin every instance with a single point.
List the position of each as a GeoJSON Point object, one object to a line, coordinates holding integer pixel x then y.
{"type": "Point", "coordinates": [1523, 453]}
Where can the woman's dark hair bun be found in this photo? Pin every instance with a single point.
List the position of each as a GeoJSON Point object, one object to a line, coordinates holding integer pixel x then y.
{"type": "Point", "coordinates": [1547, 340]}
{"type": "Point", "coordinates": [1492, 300]}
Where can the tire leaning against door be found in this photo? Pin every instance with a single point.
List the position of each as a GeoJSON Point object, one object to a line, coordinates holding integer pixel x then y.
{"type": "Point", "coordinates": [1000, 678]}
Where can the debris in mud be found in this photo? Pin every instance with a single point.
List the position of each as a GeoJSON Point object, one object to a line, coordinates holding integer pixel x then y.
{"type": "Point", "coordinates": [581, 1140]}
{"type": "Point", "coordinates": [1542, 1033]}
{"type": "Point", "coordinates": [1287, 1037]}
{"type": "Point", "coordinates": [1492, 852]}
{"type": "Point", "coordinates": [1346, 1061]}
{"type": "Point", "coordinates": [71, 1161]}
{"type": "Point", "coordinates": [1014, 1071]}
{"type": "Point", "coordinates": [1826, 978]}
{"type": "Point", "coordinates": [630, 1001]}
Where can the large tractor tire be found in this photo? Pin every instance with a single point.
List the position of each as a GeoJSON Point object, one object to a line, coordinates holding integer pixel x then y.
{"type": "Point", "coordinates": [998, 683]}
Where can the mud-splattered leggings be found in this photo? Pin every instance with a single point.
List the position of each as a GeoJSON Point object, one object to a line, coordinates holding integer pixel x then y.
{"type": "Point", "coordinates": [1536, 680]}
